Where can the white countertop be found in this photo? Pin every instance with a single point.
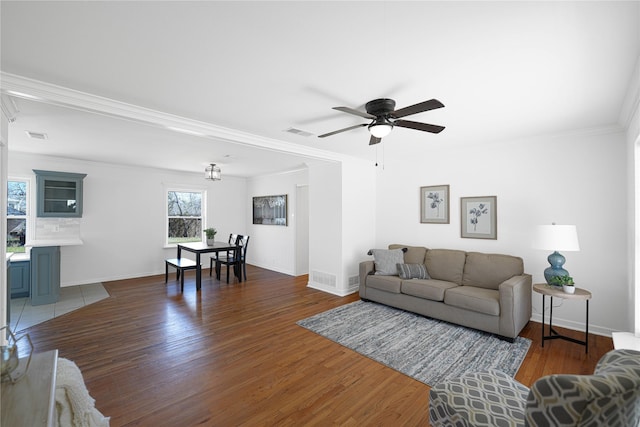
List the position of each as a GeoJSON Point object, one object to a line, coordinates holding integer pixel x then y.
{"type": "Point", "coordinates": [61, 242]}
{"type": "Point", "coordinates": [17, 256]}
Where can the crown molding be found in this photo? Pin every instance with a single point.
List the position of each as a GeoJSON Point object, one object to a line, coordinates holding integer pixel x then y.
{"type": "Point", "coordinates": [9, 108]}
{"type": "Point", "coordinates": [23, 87]}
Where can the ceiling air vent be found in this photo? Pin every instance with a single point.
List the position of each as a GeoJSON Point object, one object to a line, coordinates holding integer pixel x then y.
{"type": "Point", "coordinates": [36, 135]}
{"type": "Point", "coordinates": [298, 132]}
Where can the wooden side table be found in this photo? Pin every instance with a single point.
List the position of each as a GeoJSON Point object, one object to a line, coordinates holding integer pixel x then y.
{"type": "Point", "coordinates": [30, 402]}
{"type": "Point", "coordinates": [551, 291]}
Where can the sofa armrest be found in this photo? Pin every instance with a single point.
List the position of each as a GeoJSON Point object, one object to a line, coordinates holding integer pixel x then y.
{"type": "Point", "coordinates": [515, 305]}
{"type": "Point", "coordinates": [366, 268]}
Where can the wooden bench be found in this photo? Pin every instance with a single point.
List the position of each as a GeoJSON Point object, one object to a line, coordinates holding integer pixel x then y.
{"type": "Point", "coordinates": [180, 264]}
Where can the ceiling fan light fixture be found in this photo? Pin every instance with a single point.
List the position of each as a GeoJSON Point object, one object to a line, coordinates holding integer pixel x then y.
{"type": "Point", "coordinates": [384, 117]}
{"type": "Point", "coordinates": [213, 173]}
{"type": "Point", "coordinates": [380, 128]}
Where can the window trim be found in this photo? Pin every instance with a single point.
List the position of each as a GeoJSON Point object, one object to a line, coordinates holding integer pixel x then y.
{"type": "Point", "coordinates": [185, 189]}
{"type": "Point", "coordinates": [31, 201]}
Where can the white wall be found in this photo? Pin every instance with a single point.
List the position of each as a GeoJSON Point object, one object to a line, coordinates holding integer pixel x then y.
{"type": "Point", "coordinates": [123, 220]}
{"type": "Point", "coordinates": [273, 246]}
{"type": "Point", "coordinates": [633, 243]}
{"type": "Point", "coordinates": [358, 219]}
{"type": "Point", "coordinates": [633, 177]}
{"type": "Point", "coordinates": [4, 135]}
{"type": "Point", "coordinates": [301, 219]}
{"type": "Point", "coordinates": [122, 226]}
{"type": "Point", "coordinates": [325, 226]}
{"type": "Point", "coordinates": [577, 179]}
{"type": "Point", "coordinates": [629, 337]}
{"type": "Point", "coordinates": [341, 222]}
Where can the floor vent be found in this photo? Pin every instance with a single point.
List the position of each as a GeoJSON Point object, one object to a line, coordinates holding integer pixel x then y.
{"type": "Point", "coordinates": [325, 279]}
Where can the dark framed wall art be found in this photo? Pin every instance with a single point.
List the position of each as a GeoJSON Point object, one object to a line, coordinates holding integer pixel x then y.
{"type": "Point", "coordinates": [270, 210]}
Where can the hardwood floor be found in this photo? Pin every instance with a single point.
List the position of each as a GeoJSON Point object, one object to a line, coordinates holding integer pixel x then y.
{"type": "Point", "coordinates": [233, 355]}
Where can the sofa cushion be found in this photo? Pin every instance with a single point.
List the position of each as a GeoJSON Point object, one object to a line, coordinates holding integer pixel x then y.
{"type": "Point", "coordinates": [445, 264]}
{"type": "Point", "coordinates": [386, 261]}
{"type": "Point", "coordinates": [412, 271]}
{"type": "Point", "coordinates": [384, 283]}
{"type": "Point", "coordinates": [413, 255]}
{"type": "Point", "coordinates": [427, 289]}
{"type": "Point", "coordinates": [481, 300]}
{"type": "Point", "coordinates": [490, 270]}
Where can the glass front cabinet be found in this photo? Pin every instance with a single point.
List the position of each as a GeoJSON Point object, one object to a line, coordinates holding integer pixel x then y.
{"type": "Point", "coordinates": [59, 194]}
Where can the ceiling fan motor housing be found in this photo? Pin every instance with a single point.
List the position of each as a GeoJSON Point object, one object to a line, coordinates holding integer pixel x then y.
{"type": "Point", "coordinates": [379, 107]}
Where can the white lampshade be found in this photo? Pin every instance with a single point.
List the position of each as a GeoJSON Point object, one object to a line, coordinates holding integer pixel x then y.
{"type": "Point", "coordinates": [556, 238]}
{"type": "Point", "coordinates": [380, 129]}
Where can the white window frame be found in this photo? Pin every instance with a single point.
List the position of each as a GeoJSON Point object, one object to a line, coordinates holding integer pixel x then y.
{"type": "Point", "coordinates": [183, 189]}
{"type": "Point", "coordinates": [31, 201]}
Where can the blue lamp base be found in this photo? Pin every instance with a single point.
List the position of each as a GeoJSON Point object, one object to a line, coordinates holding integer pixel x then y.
{"type": "Point", "coordinates": [556, 259]}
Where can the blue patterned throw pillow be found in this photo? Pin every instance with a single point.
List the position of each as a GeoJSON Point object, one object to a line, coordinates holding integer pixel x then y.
{"type": "Point", "coordinates": [412, 271]}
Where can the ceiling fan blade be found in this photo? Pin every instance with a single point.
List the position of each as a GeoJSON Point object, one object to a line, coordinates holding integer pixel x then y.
{"type": "Point", "coordinates": [342, 130]}
{"type": "Point", "coordinates": [374, 140]}
{"type": "Point", "coordinates": [431, 104]}
{"type": "Point", "coordinates": [419, 126]}
{"type": "Point", "coordinates": [354, 111]}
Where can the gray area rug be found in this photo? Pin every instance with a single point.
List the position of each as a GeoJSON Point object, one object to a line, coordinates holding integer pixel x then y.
{"type": "Point", "coordinates": [425, 349]}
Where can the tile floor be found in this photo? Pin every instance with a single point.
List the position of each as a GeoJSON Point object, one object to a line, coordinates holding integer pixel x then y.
{"type": "Point", "coordinates": [24, 315]}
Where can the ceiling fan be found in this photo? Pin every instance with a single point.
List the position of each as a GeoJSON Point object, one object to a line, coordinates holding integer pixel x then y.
{"type": "Point", "coordinates": [383, 118]}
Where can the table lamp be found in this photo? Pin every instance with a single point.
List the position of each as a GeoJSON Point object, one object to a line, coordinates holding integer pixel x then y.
{"type": "Point", "coordinates": [556, 238]}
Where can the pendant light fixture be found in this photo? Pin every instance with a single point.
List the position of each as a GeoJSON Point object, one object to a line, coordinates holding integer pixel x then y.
{"type": "Point", "coordinates": [213, 173]}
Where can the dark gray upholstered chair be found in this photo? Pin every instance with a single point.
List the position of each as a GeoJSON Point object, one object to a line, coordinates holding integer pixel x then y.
{"type": "Point", "coordinates": [610, 397]}
{"type": "Point", "coordinates": [235, 259]}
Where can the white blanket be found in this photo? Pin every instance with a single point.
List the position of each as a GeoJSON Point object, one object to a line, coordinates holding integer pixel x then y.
{"type": "Point", "coordinates": [74, 406]}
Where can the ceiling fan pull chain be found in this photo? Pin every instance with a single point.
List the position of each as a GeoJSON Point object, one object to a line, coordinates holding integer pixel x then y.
{"type": "Point", "coordinates": [383, 157]}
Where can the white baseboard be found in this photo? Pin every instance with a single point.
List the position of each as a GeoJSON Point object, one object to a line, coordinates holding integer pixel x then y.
{"type": "Point", "coordinates": [330, 290]}
{"type": "Point", "coordinates": [576, 326]}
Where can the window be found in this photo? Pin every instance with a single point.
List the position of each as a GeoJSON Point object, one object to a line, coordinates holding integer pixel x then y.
{"type": "Point", "coordinates": [185, 213]}
{"type": "Point", "coordinates": [17, 214]}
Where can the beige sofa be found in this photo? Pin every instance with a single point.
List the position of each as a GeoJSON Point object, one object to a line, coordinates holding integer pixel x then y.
{"type": "Point", "coordinates": [489, 292]}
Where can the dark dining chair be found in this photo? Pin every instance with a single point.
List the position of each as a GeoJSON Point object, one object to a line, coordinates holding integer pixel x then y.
{"type": "Point", "coordinates": [233, 238]}
{"type": "Point", "coordinates": [236, 259]}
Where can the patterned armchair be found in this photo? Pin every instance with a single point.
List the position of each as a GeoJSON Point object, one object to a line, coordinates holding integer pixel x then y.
{"type": "Point", "coordinates": [610, 397]}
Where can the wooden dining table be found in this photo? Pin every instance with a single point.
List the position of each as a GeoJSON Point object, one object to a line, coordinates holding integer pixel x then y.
{"type": "Point", "coordinates": [200, 248]}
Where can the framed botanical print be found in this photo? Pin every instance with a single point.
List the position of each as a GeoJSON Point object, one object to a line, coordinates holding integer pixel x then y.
{"type": "Point", "coordinates": [434, 204]}
{"type": "Point", "coordinates": [478, 217]}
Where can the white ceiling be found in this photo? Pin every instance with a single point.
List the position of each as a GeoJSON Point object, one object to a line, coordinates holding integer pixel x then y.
{"type": "Point", "coordinates": [504, 70]}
